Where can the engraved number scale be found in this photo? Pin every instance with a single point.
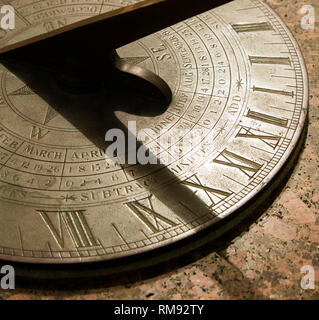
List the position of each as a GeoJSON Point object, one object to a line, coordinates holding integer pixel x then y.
{"type": "Point", "coordinates": [237, 77]}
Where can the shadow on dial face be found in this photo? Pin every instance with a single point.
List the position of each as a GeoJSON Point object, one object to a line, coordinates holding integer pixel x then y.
{"type": "Point", "coordinates": [91, 112]}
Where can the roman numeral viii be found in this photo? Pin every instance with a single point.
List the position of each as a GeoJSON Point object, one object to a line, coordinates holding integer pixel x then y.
{"type": "Point", "coordinates": [76, 225]}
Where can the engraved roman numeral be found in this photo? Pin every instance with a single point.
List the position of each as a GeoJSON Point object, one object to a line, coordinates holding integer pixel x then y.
{"type": "Point", "coordinates": [274, 91]}
{"type": "Point", "coordinates": [214, 195]}
{"type": "Point", "coordinates": [76, 225]}
{"type": "Point", "coordinates": [50, 115]}
{"type": "Point", "coordinates": [135, 60]}
{"type": "Point", "coordinates": [2, 102]}
{"type": "Point", "coordinates": [230, 159]}
{"type": "Point", "coordinates": [153, 220]}
{"type": "Point", "coordinates": [252, 27]}
{"type": "Point", "coordinates": [270, 60]}
{"type": "Point", "coordinates": [23, 91]}
{"type": "Point", "coordinates": [267, 118]}
{"type": "Point", "coordinates": [249, 133]}
{"type": "Point", "coordinates": [38, 133]}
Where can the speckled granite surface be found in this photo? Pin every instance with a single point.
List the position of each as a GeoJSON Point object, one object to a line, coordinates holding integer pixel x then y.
{"type": "Point", "coordinates": [264, 259]}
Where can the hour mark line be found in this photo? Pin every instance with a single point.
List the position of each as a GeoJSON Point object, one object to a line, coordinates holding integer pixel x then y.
{"type": "Point", "coordinates": [119, 233]}
{"type": "Point", "coordinates": [280, 92]}
{"type": "Point", "coordinates": [270, 60]}
{"type": "Point", "coordinates": [252, 27]}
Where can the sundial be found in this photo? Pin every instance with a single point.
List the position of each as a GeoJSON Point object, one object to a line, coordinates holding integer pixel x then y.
{"type": "Point", "coordinates": [219, 96]}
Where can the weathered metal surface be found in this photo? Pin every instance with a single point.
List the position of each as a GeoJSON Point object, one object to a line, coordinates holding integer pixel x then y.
{"type": "Point", "coordinates": [238, 81]}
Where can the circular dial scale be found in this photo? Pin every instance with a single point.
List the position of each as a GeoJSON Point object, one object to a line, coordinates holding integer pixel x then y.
{"type": "Point", "coordinates": [239, 83]}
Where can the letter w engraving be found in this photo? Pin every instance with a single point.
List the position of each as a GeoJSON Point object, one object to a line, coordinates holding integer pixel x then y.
{"type": "Point", "coordinates": [76, 225]}
{"type": "Point", "coordinates": [38, 133]}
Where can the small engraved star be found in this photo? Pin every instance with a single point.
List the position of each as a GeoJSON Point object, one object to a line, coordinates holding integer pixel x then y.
{"type": "Point", "coordinates": [239, 84]}
{"type": "Point", "coordinates": [222, 129]}
{"type": "Point", "coordinates": [68, 198]}
{"type": "Point", "coordinates": [50, 113]}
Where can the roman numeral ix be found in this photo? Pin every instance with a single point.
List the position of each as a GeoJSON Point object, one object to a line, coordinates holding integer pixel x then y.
{"type": "Point", "coordinates": [233, 160]}
{"type": "Point", "coordinates": [214, 195]}
{"type": "Point", "coordinates": [146, 214]}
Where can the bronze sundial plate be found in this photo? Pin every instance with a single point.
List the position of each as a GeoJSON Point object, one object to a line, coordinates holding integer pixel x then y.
{"type": "Point", "coordinates": [238, 81]}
